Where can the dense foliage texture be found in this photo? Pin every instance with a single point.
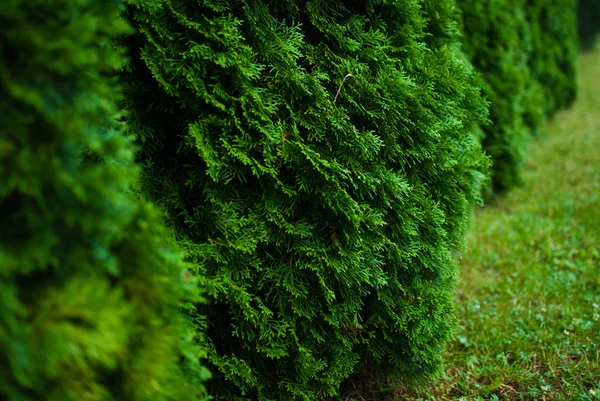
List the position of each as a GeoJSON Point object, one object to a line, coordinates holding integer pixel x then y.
{"type": "Point", "coordinates": [553, 60]}
{"type": "Point", "coordinates": [494, 38]}
{"type": "Point", "coordinates": [317, 161]}
{"type": "Point", "coordinates": [87, 288]}
{"type": "Point", "coordinates": [588, 13]}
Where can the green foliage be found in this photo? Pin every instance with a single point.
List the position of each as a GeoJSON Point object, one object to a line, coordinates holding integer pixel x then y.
{"type": "Point", "coordinates": [88, 291]}
{"type": "Point", "coordinates": [525, 51]}
{"type": "Point", "coordinates": [317, 161]}
{"type": "Point", "coordinates": [553, 59]}
{"type": "Point", "coordinates": [528, 292]}
{"type": "Point", "coordinates": [588, 18]}
{"type": "Point", "coordinates": [495, 34]}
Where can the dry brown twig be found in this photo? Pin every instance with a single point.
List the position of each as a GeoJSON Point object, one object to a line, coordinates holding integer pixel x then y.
{"type": "Point", "coordinates": [340, 88]}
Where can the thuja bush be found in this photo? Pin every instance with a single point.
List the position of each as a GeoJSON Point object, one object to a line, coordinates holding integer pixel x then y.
{"type": "Point", "coordinates": [497, 39]}
{"type": "Point", "coordinates": [89, 294]}
{"type": "Point", "coordinates": [525, 52]}
{"type": "Point", "coordinates": [553, 60]}
{"type": "Point", "coordinates": [588, 21]}
{"type": "Point", "coordinates": [317, 161]}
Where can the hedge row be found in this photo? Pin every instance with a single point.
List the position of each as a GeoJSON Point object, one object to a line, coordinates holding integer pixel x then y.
{"type": "Point", "coordinates": [318, 162]}
{"type": "Point", "coordinates": [526, 53]}
{"type": "Point", "coordinates": [88, 292]}
{"type": "Point", "coordinates": [588, 13]}
{"type": "Point", "coordinates": [553, 60]}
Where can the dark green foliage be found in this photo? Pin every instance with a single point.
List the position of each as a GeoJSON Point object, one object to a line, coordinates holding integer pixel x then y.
{"type": "Point", "coordinates": [588, 13]}
{"type": "Point", "coordinates": [525, 51]}
{"type": "Point", "coordinates": [317, 161]}
{"type": "Point", "coordinates": [495, 33]}
{"type": "Point", "coordinates": [553, 60]}
{"type": "Point", "coordinates": [87, 288]}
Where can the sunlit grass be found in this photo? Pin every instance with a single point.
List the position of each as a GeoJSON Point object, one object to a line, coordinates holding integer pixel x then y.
{"type": "Point", "coordinates": [529, 287]}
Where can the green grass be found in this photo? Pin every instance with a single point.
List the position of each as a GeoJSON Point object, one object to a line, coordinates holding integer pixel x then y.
{"type": "Point", "coordinates": [529, 287]}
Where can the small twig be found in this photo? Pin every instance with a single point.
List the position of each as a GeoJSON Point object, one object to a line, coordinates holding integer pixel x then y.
{"type": "Point", "coordinates": [335, 237]}
{"type": "Point", "coordinates": [283, 137]}
{"type": "Point", "coordinates": [340, 88]}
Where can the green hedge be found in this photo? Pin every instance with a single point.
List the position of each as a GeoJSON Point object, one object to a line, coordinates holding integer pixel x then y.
{"type": "Point", "coordinates": [553, 60]}
{"type": "Point", "coordinates": [318, 162]}
{"type": "Point", "coordinates": [588, 18]}
{"type": "Point", "coordinates": [87, 289]}
{"type": "Point", "coordinates": [494, 32]}
{"type": "Point", "coordinates": [525, 52]}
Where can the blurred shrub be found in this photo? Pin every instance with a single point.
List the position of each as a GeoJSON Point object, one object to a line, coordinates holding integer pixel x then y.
{"type": "Point", "coordinates": [525, 52]}
{"type": "Point", "coordinates": [87, 289]}
{"type": "Point", "coordinates": [588, 13]}
{"type": "Point", "coordinates": [494, 38]}
{"type": "Point", "coordinates": [553, 60]}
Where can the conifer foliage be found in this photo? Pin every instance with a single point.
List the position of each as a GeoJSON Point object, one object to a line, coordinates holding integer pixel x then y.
{"type": "Point", "coordinates": [494, 38]}
{"type": "Point", "coordinates": [525, 52]}
{"type": "Point", "coordinates": [317, 160]}
{"type": "Point", "coordinates": [588, 21]}
{"type": "Point", "coordinates": [553, 60]}
{"type": "Point", "coordinates": [87, 288]}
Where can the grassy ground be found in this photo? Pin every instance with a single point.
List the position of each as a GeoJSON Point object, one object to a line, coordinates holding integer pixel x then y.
{"type": "Point", "coordinates": [529, 287]}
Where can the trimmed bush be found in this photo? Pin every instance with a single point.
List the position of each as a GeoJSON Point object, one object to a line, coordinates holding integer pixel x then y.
{"type": "Point", "coordinates": [525, 51]}
{"type": "Point", "coordinates": [88, 291]}
{"type": "Point", "coordinates": [317, 161]}
{"type": "Point", "coordinates": [553, 60]}
{"type": "Point", "coordinates": [493, 38]}
{"type": "Point", "coordinates": [588, 18]}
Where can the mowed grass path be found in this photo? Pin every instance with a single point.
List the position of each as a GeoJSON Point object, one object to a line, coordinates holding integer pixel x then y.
{"type": "Point", "coordinates": [529, 286]}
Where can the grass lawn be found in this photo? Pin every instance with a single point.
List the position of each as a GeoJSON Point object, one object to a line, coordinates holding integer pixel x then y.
{"type": "Point", "coordinates": [529, 286]}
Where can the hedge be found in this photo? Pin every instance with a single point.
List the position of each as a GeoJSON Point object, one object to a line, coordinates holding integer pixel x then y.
{"type": "Point", "coordinates": [494, 39]}
{"type": "Point", "coordinates": [588, 18]}
{"type": "Point", "coordinates": [317, 161]}
{"type": "Point", "coordinates": [89, 294]}
{"type": "Point", "coordinates": [525, 52]}
{"type": "Point", "coordinates": [553, 59]}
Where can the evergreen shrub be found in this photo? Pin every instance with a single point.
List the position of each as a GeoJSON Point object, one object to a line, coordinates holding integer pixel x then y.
{"type": "Point", "coordinates": [495, 33]}
{"type": "Point", "coordinates": [553, 60]}
{"type": "Point", "coordinates": [525, 51]}
{"type": "Point", "coordinates": [317, 161]}
{"type": "Point", "coordinates": [588, 19]}
{"type": "Point", "coordinates": [88, 290]}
